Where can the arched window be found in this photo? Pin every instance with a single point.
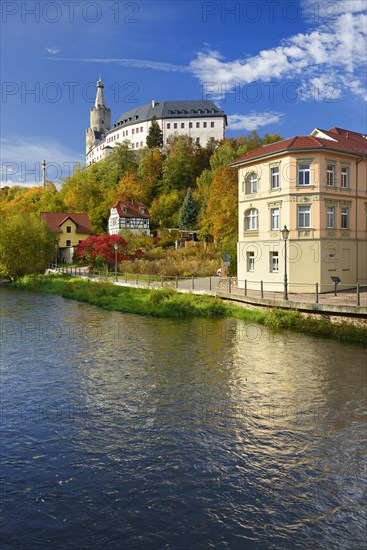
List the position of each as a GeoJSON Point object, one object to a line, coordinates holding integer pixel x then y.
{"type": "Point", "coordinates": [251, 220]}
{"type": "Point", "coordinates": [252, 183]}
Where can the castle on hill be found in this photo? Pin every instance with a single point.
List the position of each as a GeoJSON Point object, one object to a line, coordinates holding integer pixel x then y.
{"type": "Point", "coordinates": [201, 120]}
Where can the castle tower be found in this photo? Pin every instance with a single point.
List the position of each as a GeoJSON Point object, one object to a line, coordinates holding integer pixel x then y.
{"type": "Point", "coordinates": [100, 118]}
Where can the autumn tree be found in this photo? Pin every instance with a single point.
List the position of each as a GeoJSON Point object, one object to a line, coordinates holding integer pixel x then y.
{"type": "Point", "coordinates": [222, 208]}
{"type": "Point", "coordinates": [155, 135]}
{"type": "Point", "coordinates": [26, 245]}
{"type": "Point", "coordinates": [129, 188]}
{"type": "Point", "coordinates": [150, 173]}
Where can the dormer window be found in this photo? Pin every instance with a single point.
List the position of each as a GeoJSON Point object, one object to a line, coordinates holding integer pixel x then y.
{"type": "Point", "coordinates": [142, 210]}
{"type": "Point", "coordinates": [124, 209]}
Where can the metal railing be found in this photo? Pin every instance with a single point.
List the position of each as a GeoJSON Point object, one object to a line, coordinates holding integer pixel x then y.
{"type": "Point", "coordinates": [298, 292]}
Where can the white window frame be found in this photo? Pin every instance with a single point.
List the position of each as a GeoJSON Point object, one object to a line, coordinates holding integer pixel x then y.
{"type": "Point", "coordinates": [274, 262]}
{"type": "Point", "coordinates": [344, 177]}
{"type": "Point", "coordinates": [250, 261]}
{"type": "Point", "coordinates": [330, 174]}
{"type": "Point", "coordinates": [344, 218]}
{"type": "Point", "coordinates": [274, 177]}
{"type": "Point", "coordinates": [274, 218]}
{"type": "Point", "coordinates": [303, 168]}
{"type": "Point", "coordinates": [252, 184]}
{"type": "Point", "coordinates": [304, 217]}
{"type": "Point", "coordinates": [330, 217]}
{"type": "Point", "coordinates": [252, 219]}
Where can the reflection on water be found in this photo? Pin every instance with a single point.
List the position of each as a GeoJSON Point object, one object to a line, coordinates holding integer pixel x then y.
{"type": "Point", "coordinates": [120, 431]}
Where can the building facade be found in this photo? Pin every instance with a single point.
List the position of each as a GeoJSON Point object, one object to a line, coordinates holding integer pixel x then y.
{"type": "Point", "coordinates": [133, 216]}
{"type": "Point", "coordinates": [201, 120]}
{"type": "Point", "coordinates": [72, 230]}
{"type": "Point", "coordinates": [316, 186]}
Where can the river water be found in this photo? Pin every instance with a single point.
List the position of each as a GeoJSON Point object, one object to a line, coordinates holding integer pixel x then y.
{"type": "Point", "coordinates": [120, 431]}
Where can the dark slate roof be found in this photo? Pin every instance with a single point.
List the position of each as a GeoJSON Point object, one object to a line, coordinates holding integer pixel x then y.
{"type": "Point", "coordinates": [168, 109]}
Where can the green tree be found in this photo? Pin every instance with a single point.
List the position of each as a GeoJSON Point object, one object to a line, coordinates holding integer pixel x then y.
{"type": "Point", "coordinates": [26, 245]}
{"type": "Point", "coordinates": [178, 167]}
{"type": "Point", "coordinates": [165, 210]}
{"type": "Point", "coordinates": [189, 212]}
{"type": "Point", "coordinates": [155, 135]}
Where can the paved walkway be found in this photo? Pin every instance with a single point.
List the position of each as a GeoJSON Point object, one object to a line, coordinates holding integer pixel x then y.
{"type": "Point", "coordinates": [346, 300]}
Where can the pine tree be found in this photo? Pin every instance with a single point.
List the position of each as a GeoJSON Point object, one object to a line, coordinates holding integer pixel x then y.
{"type": "Point", "coordinates": [155, 135]}
{"type": "Point", "coordinates": [189, 212]}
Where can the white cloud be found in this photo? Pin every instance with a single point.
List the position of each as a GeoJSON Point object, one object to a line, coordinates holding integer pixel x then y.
{"type": "Point", "coordinates": [332, 51]}
{"type": "Point", "coordinates": [21, 160]}
{"type": "Point", "coordinates": [336, 47]}
{"type": "Point", "coordinates": [253, 121]}
{"type": "Point", "coordinates": [53, 51]}
{"type": "Point", "coordinates": [134, 63]}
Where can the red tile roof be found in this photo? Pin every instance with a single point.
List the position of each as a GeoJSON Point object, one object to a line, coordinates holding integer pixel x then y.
{"type": "Point", "coordinates": [54, 221]}
{"type": "Point", "coordinates": [348, 142]}
{"type": "Point", "coordinates": [133, 209]}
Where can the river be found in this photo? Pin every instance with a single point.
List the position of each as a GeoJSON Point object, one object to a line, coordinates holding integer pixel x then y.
{"type": "Point", "coordinates": [122, 431]}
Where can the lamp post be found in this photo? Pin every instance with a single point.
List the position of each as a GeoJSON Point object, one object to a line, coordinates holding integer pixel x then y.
{"type": "Point", "coordinates": [285, 235]}
{"type": "Point", "coordinates": [115, 246]}
{"type": "Point", "coordinates": [56, 254]}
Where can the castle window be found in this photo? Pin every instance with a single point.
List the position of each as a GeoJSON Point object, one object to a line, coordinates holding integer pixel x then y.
{"type": "Point", "coordinates": [198, 125]}
{"type": "Point", "coordinates": [212, 125]}
{"type": "Point", "coordinates": [133, 131]}
{"type": "Point", "coordinates": [141, 128]}
{"type": "Point", "coordinates": [182, 125]}
{"type": "Point", "coordinates": [204, 124]}
{"type": "Point", "coordinates": [168, 125]}
{"type": "Point", "coordinates": [137, 130]}
{"type": "Point", "coordinates": [175, 125]}
{"type": "Point", "coordinates": [190, 124]}
{"type": "Point", "coordinates": [141, 144]}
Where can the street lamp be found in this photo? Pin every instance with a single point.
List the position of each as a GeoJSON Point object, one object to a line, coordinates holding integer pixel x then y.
{"type": "Point", "coordinates": [285, 235]}
{"type": "Point", "coordinates": [115, 246]}
{"type": "Point", "coordinates": [56, 254]}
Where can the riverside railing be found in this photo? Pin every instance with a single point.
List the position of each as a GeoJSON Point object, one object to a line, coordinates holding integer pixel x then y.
{"type": "Point", "coordinates": [298, 292]}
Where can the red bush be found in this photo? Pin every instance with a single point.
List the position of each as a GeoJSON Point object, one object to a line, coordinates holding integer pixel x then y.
{"type": "Point", "coordinates": [97, 248]}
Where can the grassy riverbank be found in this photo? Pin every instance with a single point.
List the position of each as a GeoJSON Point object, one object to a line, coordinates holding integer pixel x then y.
{"type": "Point", "coordinates": [171, 304]}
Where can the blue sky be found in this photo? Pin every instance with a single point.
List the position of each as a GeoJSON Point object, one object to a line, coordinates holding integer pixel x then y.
{"type": "Point", "coordinates": [272, 66]}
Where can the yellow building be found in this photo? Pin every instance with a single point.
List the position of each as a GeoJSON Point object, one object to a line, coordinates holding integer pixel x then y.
{"type": "Point", "coordinates": [316, 186]}
{"type": "Point", "coordinates": [72, 229]}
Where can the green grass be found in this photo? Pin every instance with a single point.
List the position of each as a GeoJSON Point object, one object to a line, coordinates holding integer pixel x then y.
{"type": "Point", "coordinates": [166, 302]}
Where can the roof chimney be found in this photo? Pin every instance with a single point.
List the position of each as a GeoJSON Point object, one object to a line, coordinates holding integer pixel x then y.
{"type": "Point", "coordinates": [153, 103]}
{"type": "Point", "coordinates": [347, 135]}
